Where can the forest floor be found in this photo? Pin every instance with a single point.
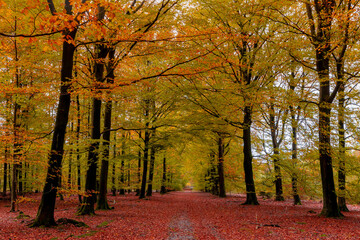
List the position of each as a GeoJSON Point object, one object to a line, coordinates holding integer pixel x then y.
{"type": "Point", "coordinates": [183, 215]}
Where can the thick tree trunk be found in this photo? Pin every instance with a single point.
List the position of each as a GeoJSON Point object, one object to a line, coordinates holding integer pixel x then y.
{"type": "Point", "coordinates": [151, 171]}
{"type": "Point", "coordinates": [45, 215]}
{"type": "Point", "coordinates": [222, 192]}
{"type": "Point", "coordinates": [330, 206]}
{"type": "Point", "coordinates": [321, 38]}
{"type": "Point", "coordinates": [214, 175]}
{"type": "Point", "coordinates": [251, 198]}
{"type": "Point", "coordinates": [163, 181]}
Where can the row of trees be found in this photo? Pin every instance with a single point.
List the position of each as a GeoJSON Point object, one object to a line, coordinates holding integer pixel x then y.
{"type": "Point", "coordinates": [178, 88]}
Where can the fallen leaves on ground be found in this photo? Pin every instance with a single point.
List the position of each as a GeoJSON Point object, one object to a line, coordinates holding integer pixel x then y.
{"type": "Point", "coordinates": [183, 215]}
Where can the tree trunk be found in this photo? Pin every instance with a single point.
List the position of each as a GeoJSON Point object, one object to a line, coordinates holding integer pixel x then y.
{"type": "Point", "coordinates": [278, 178]}
{"type": "Point", "coordinates": [342, 156]}
{"type": "Point", "coordinates": [20, 177]}
{"type": "Point", "coordinates": [151, 171]}
{"type": "Point", "coordinates": [14, 183]}
{"type": "Point", "coordinates": [330, 206]}
{"type": "Point", "coordinates": [129, 177]}
{"type": "Point", "coordinates": [88, 206]}
{"type": "Point", "coordinates": [214, 175]}
{"type": "Point", "coordinates": [321, 38]}
{"type": "Point", "coordinates": [276, 152]}
{"type": "Point", "coordinates": [5, 172]}
{"type": "Point", "coordinates": [78, 128]}
{"type": "Point", "coordinates": [294, 179]}
{"type": "Point", "coordinates": [139, 170]}
{"type": "Point", "coordinates": [146, 152]}
{"type": "Point", "coordinates": [251, 198]}
{"type": "Point", "coordinates": [102, 201]}
{"type": "Point", "coordinates": [113, 177]}
{"type": "Point", "coordinates": [122, 177]}
{"type": "Point", "coordinates": [16, 132]}
{"type": "Point", "coordinates": [122, 167]}
{"type": "Point", "coordinates": [45, 215]}
{"type": "Point", "coordinates": [163, 182]}
{"type": "Point", "coordinates": [145, 165]}
{"type": "Point", "coordinates": [71, 154]}
{"type": "Point", "coordinates": [222, 192]}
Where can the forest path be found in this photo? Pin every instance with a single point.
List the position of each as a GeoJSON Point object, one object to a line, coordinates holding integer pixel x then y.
{"type": "Point", "coordinates": [190, 206]}
{"type": "Point", "coordinates": [184, 216]}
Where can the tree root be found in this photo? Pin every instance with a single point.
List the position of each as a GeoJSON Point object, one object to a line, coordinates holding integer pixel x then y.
{"type": "Point", "coordinates": [71, 221]}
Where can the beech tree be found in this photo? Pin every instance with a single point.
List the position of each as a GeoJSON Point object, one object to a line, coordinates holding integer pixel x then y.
{"type": "Point", "coordinates": [89, 201]}
{"type": "Point", "coordinates": [45, 215]}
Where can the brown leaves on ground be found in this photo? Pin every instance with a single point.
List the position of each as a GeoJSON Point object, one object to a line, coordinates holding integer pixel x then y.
{"type": "Point", "coordinates": [183, 215]}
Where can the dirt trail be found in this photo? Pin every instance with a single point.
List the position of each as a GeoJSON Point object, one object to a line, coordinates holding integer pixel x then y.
{"type": "Point", "coordinates": [187, 205]}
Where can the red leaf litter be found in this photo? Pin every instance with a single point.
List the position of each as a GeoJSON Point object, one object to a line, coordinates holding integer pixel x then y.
{"type": "Point", "coordinates": [183, 215]}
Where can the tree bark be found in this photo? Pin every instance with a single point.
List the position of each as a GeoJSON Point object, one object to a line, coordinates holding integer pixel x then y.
{"type": "Point", "coordinates": [88, 206]}
{"type": "Point", "coordinates": [139, 170]}
{"type": "Point", "coordinates": [113, 177]}
{"type": "Point", "coordinates": [45, 215]}
{"type": "Point", "coordinates": [102, 200]}
{"type": "Point", "coordinates": [321, 39]}
{"type": "Point", "coordinates": [251, 198]}
{"type": "Point", "coordinates": [342, 155]}
{"type": "Point", "coordinates": [330, 206]}
{"type": "Point", "coordinates": [222, 192]}
{"type": "Point", "coordinates": [16, 132]}
{"type": "Point", "coordinates": [122, 167]}
{"type": "Point", "coordinates": [146, 151]}
{"type": "Point", "coordinates": [294, 178]}
{"type": "Point", "coordinates": [276, 152]}
{"type": "Point", "coordinates": [163, 182]}
{"type": "Point", "coordinates": [20, 179]}
{"type": "Point", "coordinates": [151, 170]}
{"type": "Point", "coordinates": [5, 172]}
{"type": "Point", "coordinates": [78, 128]}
